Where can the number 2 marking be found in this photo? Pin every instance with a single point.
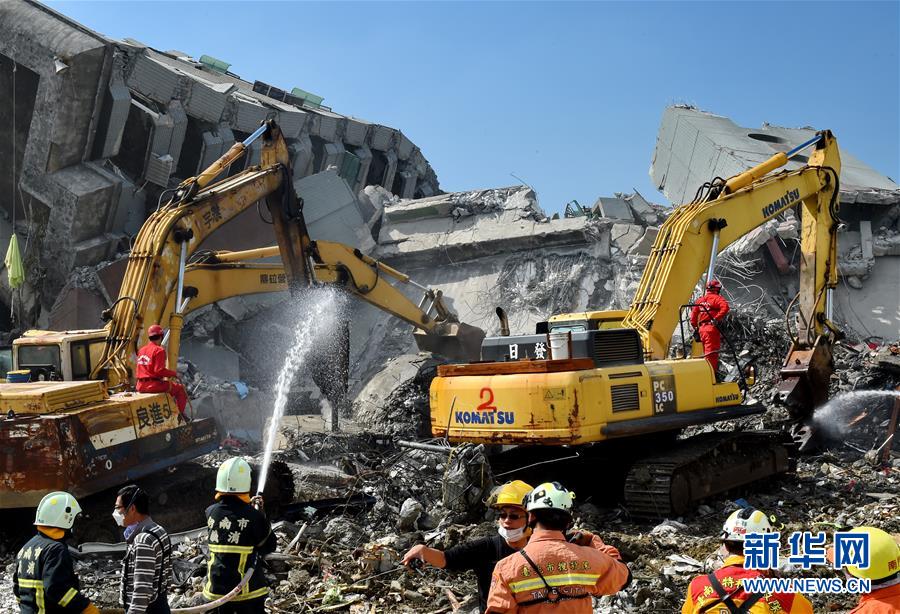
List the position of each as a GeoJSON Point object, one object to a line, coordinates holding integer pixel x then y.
{"type": "Point", "coordinates": [488, 404]}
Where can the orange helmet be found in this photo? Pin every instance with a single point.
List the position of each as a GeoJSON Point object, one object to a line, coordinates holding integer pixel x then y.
{"type": "Point", "coordinates": [155, 330]}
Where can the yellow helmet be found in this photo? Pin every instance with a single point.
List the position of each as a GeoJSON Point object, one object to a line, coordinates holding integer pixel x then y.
{"type": "Point", "coordinates": [884, 555]}
{"type": "Point", "coordinates": [511, 493]}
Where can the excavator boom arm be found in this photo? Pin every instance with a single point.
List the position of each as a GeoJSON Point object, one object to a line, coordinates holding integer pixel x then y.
{"type": "Point", "coordinates": [683, 247]}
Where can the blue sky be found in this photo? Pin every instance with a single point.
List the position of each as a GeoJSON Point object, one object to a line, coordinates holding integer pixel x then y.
{"type": "Point", "coordinates": [566, 96]}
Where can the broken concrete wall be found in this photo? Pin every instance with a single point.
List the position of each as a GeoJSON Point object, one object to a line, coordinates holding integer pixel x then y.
{"type": "Point", "coordinates": [490, 248]}
{"type": "Point", "coordinates": [102, 127]}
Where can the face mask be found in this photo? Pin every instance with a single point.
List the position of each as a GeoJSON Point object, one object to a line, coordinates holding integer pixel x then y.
{"type": "Point", "coordinates": [511, 535]}
{"type": "Point", "coordinates": [119, 517]}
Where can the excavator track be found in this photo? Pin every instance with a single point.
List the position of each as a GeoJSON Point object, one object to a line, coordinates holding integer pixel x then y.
{"type": "Point", "coordinates": [672, 482]}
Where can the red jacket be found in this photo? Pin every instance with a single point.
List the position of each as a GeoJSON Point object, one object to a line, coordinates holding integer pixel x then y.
{"type": "Point", "coordinates": [151, 363]}
{"type": "Point", "coordinates": [879, 601]}
{"type": "Point", "coordinates": [710, 306]}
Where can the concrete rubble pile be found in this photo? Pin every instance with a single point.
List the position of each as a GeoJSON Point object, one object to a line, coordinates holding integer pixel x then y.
{"type": "Point", "coordinates": [344, 554]}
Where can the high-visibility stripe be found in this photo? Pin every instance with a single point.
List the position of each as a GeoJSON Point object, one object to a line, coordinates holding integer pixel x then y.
{"type": "Point", "coordinates": [223, 549]}
{"type": "Point", "coordinates": [70, 594]}
{"type": "Point", "coordinates": [210, 596]}
{"type": "Point", "coordinates": [38, 586]}
{"type": "Point", "coordinates": [566, 579]}
{"type": "Point", "coordinates": [242, 565]}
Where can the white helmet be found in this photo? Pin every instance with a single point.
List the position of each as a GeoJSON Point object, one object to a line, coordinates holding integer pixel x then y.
{"type": "Point", "coordinates": [743, 521]}
{"type": "Point", "coordinates": [549, 496]}
{"type": "Point", "coordinates": [233, 476]}
{"type": "Point", "coordinates": [57, 509]}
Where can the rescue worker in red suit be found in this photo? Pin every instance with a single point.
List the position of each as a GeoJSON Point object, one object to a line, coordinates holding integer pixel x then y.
{"type": "Point", "coordinates": [151, 369]}
{"type": "Point", "coordinates": [708, 311]}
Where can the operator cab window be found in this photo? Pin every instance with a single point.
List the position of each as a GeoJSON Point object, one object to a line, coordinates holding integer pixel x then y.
{"type": "Point", "coordinates": [81, 361]}
{"type": "Point", "coordinates": [569, 327]}
{"type": "Point", "coordinates": [46, 356]}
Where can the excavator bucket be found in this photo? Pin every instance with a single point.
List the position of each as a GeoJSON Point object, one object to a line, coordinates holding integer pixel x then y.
{"type": "Point", "coordinates": [453, 340]}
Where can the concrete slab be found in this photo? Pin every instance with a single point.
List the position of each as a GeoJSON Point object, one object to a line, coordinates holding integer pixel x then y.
{"type": "Point", "coordinates": [865, 235]}
{"type": "Point", "coordinates": [643, 247]}
{"type": "Point", "coordinates": [331, 211]}
{"type": "Point", "coordinates": [75, 309]}
{"type": "Point", "coordinates": [624, 236]}
{"type": "Point", "coordinates": [874, 308]}
{"type": "Point", "coordinates": [692, 146]}
{"type": "Point", "coordinates": [614, 208]}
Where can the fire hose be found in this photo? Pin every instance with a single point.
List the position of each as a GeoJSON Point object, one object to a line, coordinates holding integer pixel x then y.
{"type": "Point", "coordinates": [198, 609]}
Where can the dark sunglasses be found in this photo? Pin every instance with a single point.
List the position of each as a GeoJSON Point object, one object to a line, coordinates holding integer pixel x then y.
{"type": "Point", "coordinates": [511, 515]}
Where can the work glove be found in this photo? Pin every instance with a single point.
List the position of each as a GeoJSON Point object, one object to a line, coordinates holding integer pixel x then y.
{"type": "Point", "coordinates": [258, 503]}
{"type": "Point", "coordinates": [580, 538]}
{"type": "Point", "coordinates": [697, 335]}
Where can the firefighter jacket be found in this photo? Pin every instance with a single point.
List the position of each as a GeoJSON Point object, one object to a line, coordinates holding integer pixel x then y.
{"type": "Point", "coordinates": [551, 575]}
{"type": "Point", "coordinates": [239, 534]}
{"type": "Point", "coordinates": [151, 363]}
{"type": "Point", "coordinates": [710, 594]}
{"type": "Point", "coordinates": [879, 601]}
{"type": "Point", "coordinates": [709, 307]}
{"type": "Point", "coordinates": [44, 580]}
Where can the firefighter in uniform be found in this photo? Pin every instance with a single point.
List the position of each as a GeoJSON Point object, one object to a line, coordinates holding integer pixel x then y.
{"type": "Point", "coordinates": [551, 575]}
{"type": "Point", "coordinates": [239, 535]}
{"type": "Point", "coordinates": [721, 592]}
{"type": "Point", "coordinates": [883, 571]}
{"type": "Point", "coordinates": [152, 370]}
{"type": "Point", "coordinates": [44, 580]}
{"type": "Point", "coordinates": [708, 311]}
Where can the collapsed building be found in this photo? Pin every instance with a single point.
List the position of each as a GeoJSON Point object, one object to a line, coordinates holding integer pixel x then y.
{"type": "Point", "coordinates": [99, 129]}
{"type": "Point", "coordinates": [81, 191]}
{"type": "Point", "coordinates": [102, 128]}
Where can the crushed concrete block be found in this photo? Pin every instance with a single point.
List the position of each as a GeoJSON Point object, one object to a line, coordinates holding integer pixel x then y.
{"type": "Point", "coordinates": [886, 245]}
{"type": "Point", "coordinates": [332, 212]}
{"type": "Point", "coordinates": [643, 247]}
{"type": "Point", "coordinates": [409, 515]}
{"type": "Point", "coordinates": [92, 251]}
{"type": "Point", "coordinates": [624, 236]}
{"type": "Point", "coordinates": [111, 275]}
{"type": "Point", "coordinates": [613, 207]}
{"type": "Point", "coordinates": [854, 282]}
{"type": "Point", "coordinates": [854, 268]}
{"type": "Point", "coordinates": [642, 209]}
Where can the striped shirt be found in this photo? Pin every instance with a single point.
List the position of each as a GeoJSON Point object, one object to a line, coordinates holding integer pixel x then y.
{"type": "Point", "coordinates": [147, 567]}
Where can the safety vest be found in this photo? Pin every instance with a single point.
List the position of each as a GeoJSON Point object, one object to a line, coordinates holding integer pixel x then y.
{"type": "Point", "coordinates": [238, 535]}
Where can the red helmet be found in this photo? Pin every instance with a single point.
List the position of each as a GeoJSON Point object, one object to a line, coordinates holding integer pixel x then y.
{"type": "Point", "coordinates": [714, 285]}
{"type": "Point", "coordinates": [155, 330]}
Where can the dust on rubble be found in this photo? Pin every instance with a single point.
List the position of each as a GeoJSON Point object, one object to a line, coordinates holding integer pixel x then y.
{"type": "Point", "coordinates": [337, 557]}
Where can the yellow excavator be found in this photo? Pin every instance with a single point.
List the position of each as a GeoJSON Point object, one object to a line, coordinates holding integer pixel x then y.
{"type": "Point", "coordinates": [591, 377]}
{"type": "Point", "coordinates": [82, 429]}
